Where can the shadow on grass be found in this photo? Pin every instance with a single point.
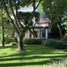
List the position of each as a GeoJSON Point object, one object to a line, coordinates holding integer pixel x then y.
{"type": "Point", "coordinates": [29, 63]}
{"type": "Point", "coordinates": [25, 53]}
{"type": "Point", "coordinates": [3, 47]}
{"type": "Point", "coordinates": [30, 50]}
{"type": "Point", "coordinates": [32, 57]}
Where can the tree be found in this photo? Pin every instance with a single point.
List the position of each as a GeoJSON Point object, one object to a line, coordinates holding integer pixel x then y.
{"type": "Point", "coordinates": [55, 9]}
{"type": "Point", "coordinates": [2, 23]}
{"type": "Point", "coordinates": [20, 25]}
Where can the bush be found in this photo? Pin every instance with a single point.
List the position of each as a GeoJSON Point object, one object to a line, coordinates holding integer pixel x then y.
{"type": "Point", "coordinates": [61, 63]}
{"type": "Point", "coordinates": [64, 38]}
{"type": "Point", "coordinates": [54, 43]}
{"type": "Point", "coordinates": [8, 39]}
{"type": "Point", "coordinates": [33, 41]}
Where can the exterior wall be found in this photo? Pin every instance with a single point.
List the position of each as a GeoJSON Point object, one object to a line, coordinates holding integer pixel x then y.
{"type": "Point", "coordinates": [26, 35]}
{"type": "Point", "coordinates": [30, 35]}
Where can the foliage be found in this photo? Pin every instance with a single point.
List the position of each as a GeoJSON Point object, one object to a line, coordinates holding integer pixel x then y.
{"type": "Point", "coordinates": [27, 16]}
{"type": "Point", "coordinates": [0, 38]}
{"type": "Point", "coordinates": [8, 39]}
{"type": "Point", "coordinates": [64, 38]}
{"type": "Point", "coordinates": [65, 21]}
{"type": "Point", "coordinates": [55, 9]}
{"type": "Point", "coordinates": [8, 28]}
{"type": "Point", "coordinates": [33, 41]}
{"type": "Point", "coordinates": [54, 43]}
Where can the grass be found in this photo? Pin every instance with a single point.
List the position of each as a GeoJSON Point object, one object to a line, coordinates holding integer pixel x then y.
{"type": "Point", "coordinates": [32, 56]}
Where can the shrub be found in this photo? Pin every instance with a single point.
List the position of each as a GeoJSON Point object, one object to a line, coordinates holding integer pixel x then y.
{"type": "Point", "coordinates": [33, 41]}
{"type": "Point", "coordinates": [62, 63]}
{"type": "Point", "coordinates": [8, 39]}
{"type": "Point", "coordinates": [64, 38]}
{"type": "Point", "coordinates": [54, 43]}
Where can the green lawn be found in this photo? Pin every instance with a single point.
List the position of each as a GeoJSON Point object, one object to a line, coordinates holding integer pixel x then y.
{"type": "Point", "coordinates": [32, 56]}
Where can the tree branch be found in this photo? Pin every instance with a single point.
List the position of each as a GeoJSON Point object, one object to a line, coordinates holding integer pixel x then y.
{"type": "Point", "coordinates": [38, 4]}
{"type": "Point", "coordinates": [8, 14]}
{"type": "Point", "coordinates": [16, 21]}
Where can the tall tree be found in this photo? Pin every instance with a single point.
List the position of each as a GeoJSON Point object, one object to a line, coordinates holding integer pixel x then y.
{"type": "Point", "coordinates": [20, 25]}
{"type": "Point", "coordinates": [2, 22]}
{"type": "Point", "coordinates": [55, 9]}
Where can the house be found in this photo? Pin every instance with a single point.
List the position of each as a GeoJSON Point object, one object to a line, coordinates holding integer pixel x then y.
{"type": "Point", "coordinates": [42, 27]}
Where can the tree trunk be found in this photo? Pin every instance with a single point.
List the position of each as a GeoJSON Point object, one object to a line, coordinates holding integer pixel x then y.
{"type": "Point", "coordinates": [20, 43]}
{"type": "Point", "coordinates": [3, 44]}
{"type": "Point", "coordinates": [59, 30]}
